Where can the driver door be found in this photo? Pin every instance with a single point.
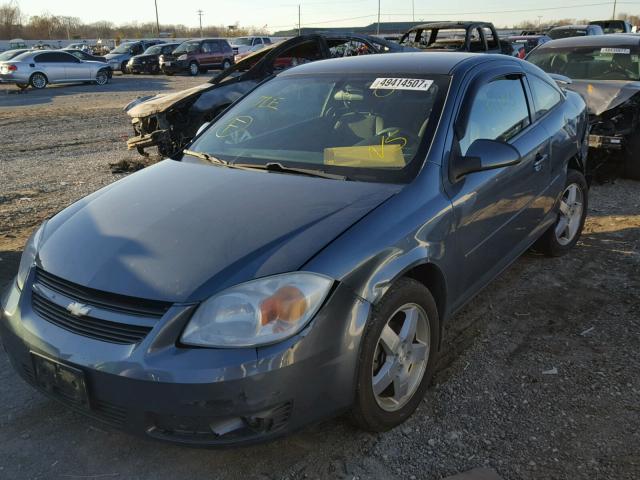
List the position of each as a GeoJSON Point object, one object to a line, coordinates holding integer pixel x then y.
{"type": "Point", "coordinates": [497, 211]}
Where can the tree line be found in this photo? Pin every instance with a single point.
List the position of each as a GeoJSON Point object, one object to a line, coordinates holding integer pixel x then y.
{"type": "Point", "coordinates": [14, 24]}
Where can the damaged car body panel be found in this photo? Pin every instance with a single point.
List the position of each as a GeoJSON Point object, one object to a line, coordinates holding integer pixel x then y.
{"type": "Point", "coordinates": [605, 70]}
{"type": "Point", "coordinates": [170, 121]}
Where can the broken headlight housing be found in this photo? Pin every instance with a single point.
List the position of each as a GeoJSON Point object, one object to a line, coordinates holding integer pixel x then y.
{"type": "Point", "coordinates": [29, 256]}
{"type": "Point", "coordinates": [258, 312]}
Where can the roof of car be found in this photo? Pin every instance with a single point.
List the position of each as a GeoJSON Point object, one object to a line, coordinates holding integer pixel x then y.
{"type": "Point", "coordinates": [612, 39]}
{"type": "Point", "coordinates": [455, 24]}
{"type": "Point", "coordinates": [572, 27]}
{"type": "Point", "coordinates": [435, 63]}
{"type": "Point", "coordinates": [525, 37]}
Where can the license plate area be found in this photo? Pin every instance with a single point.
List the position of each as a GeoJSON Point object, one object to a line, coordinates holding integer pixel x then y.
{"type": "Point", "coordinates": [67, 383]}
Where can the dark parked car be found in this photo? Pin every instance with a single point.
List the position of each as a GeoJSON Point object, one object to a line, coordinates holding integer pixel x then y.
{"type": "Point", "coordinates": [478, 37]}
{"type": "Point", "coordinates": [304, 255]}
{"type": "Point", "coordinates": [605, 69]}
{"type": "Point", "coordinates": [169, 121]}
{"type": "Point", "coordinates": [119, 56]}
{"type": "Point", "coordinates": [198, 56]}
{"type": "Point", "coordinates": [567, 31]}
{"type": "Point", "coordinates": [148, 61]}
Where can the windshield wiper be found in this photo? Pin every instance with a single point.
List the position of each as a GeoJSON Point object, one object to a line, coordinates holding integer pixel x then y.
{"type": "Point", "coordinates": [278, 167]}
{"type": "Point", "coordinates": [206, 156]}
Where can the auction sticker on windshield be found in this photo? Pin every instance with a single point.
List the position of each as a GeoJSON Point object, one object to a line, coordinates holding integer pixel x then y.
{"type": "Point", "coordinates": [420, 84]}
{"type": "Point", "coordinates": [624, 51]}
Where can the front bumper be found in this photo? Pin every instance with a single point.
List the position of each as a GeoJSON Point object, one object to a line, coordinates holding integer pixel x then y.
{"type": "Point", "coordinates": [143, 67]}
{"type": "Point", "coordinates": [174, 66]}
{"type": "Point", "coordinates": [199, 396]}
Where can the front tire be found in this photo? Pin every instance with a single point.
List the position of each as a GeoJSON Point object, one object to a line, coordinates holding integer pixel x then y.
{"type": "Point", "coordinates": [123, 68]}
{"type": "Point", "coordinates": [102, 78]}
{"type": "Point", "coordinates": [397, 356]}
{"type": "Point", "coordinates": [38, 80]}
{"type": "Point", "coordinates": [194, 69]}
{"type": "Point", "coordinates": [226, 64]}
{"type": "Point", "coordinates": [566, 230]}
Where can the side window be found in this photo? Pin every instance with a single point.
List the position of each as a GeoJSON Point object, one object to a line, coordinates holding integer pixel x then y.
{"type": "Point", "coordinates": [66, 58]}
{"type": "Point", "coordinates": [499, 112]}
{"type": "Point", "coordinates": [168, 49]}
{"type": "Point", "coordinates": [306, 52]}
{"type": "Point", "coordinates": [492, 43]}
{"type": "Point", "coordinates": [45, 58]}
{"type": "Point", "coordinates": [257, 41]}
{"type": "Point", "coordinates": [215, 47]}
{"type": "Point", "coordinates": [206, 47]}
{"type": "Point", "coordinates": [544, 95]}
{"type": "Point", "coordinates": [267, 40]}
{"type": "Point", "coordinates": [476, 44]}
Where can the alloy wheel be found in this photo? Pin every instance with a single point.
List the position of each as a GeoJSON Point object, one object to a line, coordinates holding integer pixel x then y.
{"type": "Point", "coordinates": [570, 215]}
{"type": "Point", "coordinates": [194, 69]}
{"type": "Point", "coordinates": [101, 78]}
{"type": "Point", "coordinates": [38, 80]}
{"type": "Point", "coordinates": [401, 357]}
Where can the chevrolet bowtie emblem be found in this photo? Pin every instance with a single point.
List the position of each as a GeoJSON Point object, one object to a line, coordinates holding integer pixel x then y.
{"type": "Point", "coordinates": [78, 309]}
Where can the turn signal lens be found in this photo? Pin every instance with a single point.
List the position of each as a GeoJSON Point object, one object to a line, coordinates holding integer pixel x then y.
{"type": "Point", "coordinates": [287, 304]}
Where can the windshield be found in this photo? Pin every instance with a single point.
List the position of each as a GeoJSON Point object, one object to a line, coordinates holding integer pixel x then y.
{"type": "Point", "coordinates": [365, 127]}
{"type": "Point", "coordinates": [242, 41]}
{"type": "Point", "coordinates": [153, 50]}
{"type": "Point", "coordinates": [187, 47]}
{"type": "Point", "coordinates": [567, 32]}
{"type": "Point", "coordinates": [122, 48]}
{"type": "Point", "coordinates": [590, 63]}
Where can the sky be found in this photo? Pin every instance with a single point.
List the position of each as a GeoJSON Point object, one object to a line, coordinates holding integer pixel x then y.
{"type": "Point", "coordinates": [280, 14]}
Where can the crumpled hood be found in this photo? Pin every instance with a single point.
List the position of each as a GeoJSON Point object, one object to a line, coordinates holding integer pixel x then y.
{"type": "Point", "coordinates": [163, 101]}
{"type": "Point", "coordinates": [180, 231]}
{"type": "Point", "coordinates": [603, 95]}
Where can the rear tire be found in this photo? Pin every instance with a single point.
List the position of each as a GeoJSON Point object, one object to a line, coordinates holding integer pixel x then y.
{"type": "Point", "coordinates": [572, 212]}
{"type": "Point", "coordinates": [22, 86]}
{"type": "Point", "coordinates": [396, 360]}
{"type": "Point", "coordinates": [38, 80]}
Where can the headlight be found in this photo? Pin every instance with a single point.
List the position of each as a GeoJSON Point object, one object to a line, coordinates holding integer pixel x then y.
{"type": "Point", "coordinates": [29, 256]}
{"type": "Point", "coordinates": [259, 312]}
{"type": "Point", "coordinates": [182, 57]}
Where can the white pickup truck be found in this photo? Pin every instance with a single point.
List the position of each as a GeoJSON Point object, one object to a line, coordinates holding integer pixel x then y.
{"type": "Point", "coordinates": [244, 44]}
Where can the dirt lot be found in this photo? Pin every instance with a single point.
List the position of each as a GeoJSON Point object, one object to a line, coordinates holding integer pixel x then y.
{"type": "Point", "coordinates": [491, 405]}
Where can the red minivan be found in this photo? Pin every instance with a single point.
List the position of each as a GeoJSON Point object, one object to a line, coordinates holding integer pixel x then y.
{"type": "Point", "coordinates": [198, 56]}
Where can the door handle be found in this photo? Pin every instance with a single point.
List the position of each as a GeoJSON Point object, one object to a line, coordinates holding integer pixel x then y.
{"type": "Point", "coordinates": [539, 162]}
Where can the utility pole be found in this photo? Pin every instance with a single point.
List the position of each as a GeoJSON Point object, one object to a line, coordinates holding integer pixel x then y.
{"type": "Point", "coordinates": [378, 25]}
{"type": "Point", "coordinates": [157, 21]}
{"type": "Point", "coordinates": [614, 9]}
{"type": "Point", "coordinates": [413, 11]}
{"type": "Point", "coordinates": [539, 20]}
{"type": "Point", "coordinates": [200, 13]}
{"type": "Point", "coordinates": [299, 24]}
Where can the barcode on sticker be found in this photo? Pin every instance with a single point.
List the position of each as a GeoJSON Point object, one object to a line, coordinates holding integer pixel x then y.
{"type": "Point", "coordinates": [624, 51]}
{"type": "Point", "coordinates": [401, 84]}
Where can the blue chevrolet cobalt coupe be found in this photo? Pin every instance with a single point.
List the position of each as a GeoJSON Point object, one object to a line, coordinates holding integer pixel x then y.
{"type": "Point", "coordinates": [302, 256]}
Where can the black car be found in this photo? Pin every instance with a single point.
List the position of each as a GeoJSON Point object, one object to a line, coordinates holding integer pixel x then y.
{"type": "Point", "coordinates": [169, 121]}
{"type": "Point", "coordinates": [148, 61]}
{"type": "Point", "coordinates": [605, 70]}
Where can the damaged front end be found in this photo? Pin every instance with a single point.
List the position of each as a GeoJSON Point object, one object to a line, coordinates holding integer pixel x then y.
{"type": "Point", "coordinates": [614, 117]}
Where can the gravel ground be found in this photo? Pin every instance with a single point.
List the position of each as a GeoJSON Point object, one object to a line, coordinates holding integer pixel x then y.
{"type": "Point", "coordinates": [539, 378]}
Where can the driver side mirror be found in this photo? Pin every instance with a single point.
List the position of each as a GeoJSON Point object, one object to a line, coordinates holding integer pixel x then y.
{"type": "Point", "coordinates": [484, 154]}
